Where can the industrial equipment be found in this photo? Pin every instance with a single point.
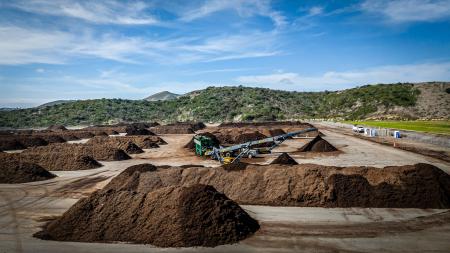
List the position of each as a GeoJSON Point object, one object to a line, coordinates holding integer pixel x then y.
{"type": "Point", "coordinates": [204, 146]}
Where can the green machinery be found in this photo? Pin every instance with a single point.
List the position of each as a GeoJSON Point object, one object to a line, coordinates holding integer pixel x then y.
{"type": "Point", "coordinates": [205, 146]}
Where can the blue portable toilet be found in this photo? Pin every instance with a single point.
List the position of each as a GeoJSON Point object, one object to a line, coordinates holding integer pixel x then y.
{"type": "Point", "coordinates": [397, 134]}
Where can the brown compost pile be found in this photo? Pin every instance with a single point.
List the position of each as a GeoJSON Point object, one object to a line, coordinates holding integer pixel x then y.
{"type": "Point", "coordinates": [411, 186]}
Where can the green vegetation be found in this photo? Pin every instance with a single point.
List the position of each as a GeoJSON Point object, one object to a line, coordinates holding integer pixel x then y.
{"type": "Point", "coordinates": [437, 127]}
{"type": "Point", "coordinates": [221, 104]}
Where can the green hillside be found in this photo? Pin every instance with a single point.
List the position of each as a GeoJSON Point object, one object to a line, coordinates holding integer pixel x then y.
{"type": "Point", "coordinates": [222, 104]}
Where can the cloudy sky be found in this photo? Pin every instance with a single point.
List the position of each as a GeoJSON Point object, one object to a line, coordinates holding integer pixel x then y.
{"type": "Point", "coordinates": [58, 49]}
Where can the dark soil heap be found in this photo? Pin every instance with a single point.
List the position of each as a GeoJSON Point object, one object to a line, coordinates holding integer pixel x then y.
{"type": "Point", "coordinates": [117, 142]}
{"type": "Point", "coordinates": [52, 138]}
{"type": "Point", "coordinates": [318, 145]}
{"type": "Point", "coordinates": [98, 152]}
{"type": "Point", "coordinates": [128, 180]}
{"type": "Point", "coordinates": [14, 171]}
{"type": "Point", "coordinates": [60, 160]}
{"type": "Point", "coordinates": [310, 185]}
{"type": "Point", "coordinates": [57, 128]}
{"type": "Point", "coordinates": [10, 144]}
{"type": "Point", "coordinates": [122, 142]}
{"type": "Point", "coordinates": [197, 215]}
{"type": "Point", "coordinates": [137, 130]}
{"type": "Point", "coordinates": [189, 124]}
{"type": "Point", "coordinates": [284, 158]}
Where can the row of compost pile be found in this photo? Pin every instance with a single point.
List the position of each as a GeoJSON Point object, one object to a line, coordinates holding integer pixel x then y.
{"type": "Point", "coordinates": [310, 185]}
{"type": "Point", "coordinates": [14, 171]}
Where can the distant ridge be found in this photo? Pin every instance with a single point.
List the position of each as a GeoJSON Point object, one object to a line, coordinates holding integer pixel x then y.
{"type": "Point", "coordinates": [162, 96]}
{"type": "Point", "coordinates": [57, 102]}
{"type": "Point", "coordinates": [238, 103]}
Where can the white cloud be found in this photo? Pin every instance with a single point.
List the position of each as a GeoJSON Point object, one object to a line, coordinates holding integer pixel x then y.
{"type": "Point", "coordinates": [314, 11]}
{"type": "Point", "coordinates": [338, 80]}
{"type": "Point", "coordinates": [102, 12]}
{"type": "Point", "coordinates": [244, 8]}
{"type": "Point", "coordinates": [55, 47]}
{"type": "Point", "coordinates": [402, 11]}
{"type": "Point", "coordinates": [40, 70]}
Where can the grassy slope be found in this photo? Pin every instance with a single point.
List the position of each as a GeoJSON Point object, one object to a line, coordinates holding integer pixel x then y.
{"type": "Point", "coordinates": [437, 127]}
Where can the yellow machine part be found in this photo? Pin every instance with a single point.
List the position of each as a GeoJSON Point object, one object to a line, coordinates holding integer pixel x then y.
{"type": "Point", "coordinates": [228, 160]}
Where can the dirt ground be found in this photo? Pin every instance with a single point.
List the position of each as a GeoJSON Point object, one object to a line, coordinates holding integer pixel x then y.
{"type": "Point", "coordinates": [24, 208]}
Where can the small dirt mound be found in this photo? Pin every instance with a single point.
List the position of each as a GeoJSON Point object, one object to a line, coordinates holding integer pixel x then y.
{"type": "Point", "coordinates": [170, 217]}
{"type": "Point", "coordinates": [14, 171]}
{"type": "Point", "coordinates": [57, 128]}
{"type": "Point", "coordinates": [276, 131]}
{"type": "Point", "coordinates": [318, 145]}
{"type": "Point", "coordinates": [284, 159]}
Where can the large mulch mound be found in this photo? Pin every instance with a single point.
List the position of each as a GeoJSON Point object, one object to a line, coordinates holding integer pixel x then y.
{"type": "Point", "coordinates": [14, 142]}
{"type": "Point", "coordinates": [98, 152]}
{"type": "Point", "coordinates": [194, 125]}
{"type": "Point", "coordinates": [318, 145]}
{"type": "Point", "coordinates": [52, 138]}
{"type": "Point", "coordinates": [62, 160]}
{"type": "Point", "coordinates": [310, 185]}
{"type": "Point", "coordinates": [143, 142]}
{"type": "Point", "coordinates": [173, 129]}
{"type": "Point", "coordinates": [57, 128]}
{"type": "Point", "coordinates": [137, 130]}
{"type": "Point", "coordinates": [197, 215]}
{"type": "Point", "coordinates": [284, 158]}
{"type": "Point", "coordinates": [117, 142]}
{"type": "Point", "coordinates": [14, 171]}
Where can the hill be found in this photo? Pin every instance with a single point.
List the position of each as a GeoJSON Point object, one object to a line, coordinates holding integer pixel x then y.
{"type": "Point", "coordinates": [381, 101]}
{"type": "Point", "coordinates": [162, 96]}
{"type": "Point", "coordinates": [57, 102]}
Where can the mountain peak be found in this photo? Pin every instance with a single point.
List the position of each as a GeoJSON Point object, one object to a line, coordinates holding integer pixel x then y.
{"type": "Point", "coordinates": [163, 95]}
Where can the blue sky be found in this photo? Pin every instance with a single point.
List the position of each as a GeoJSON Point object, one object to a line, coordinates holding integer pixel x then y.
{"type": "Point", "coordinates": [67, 49]}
